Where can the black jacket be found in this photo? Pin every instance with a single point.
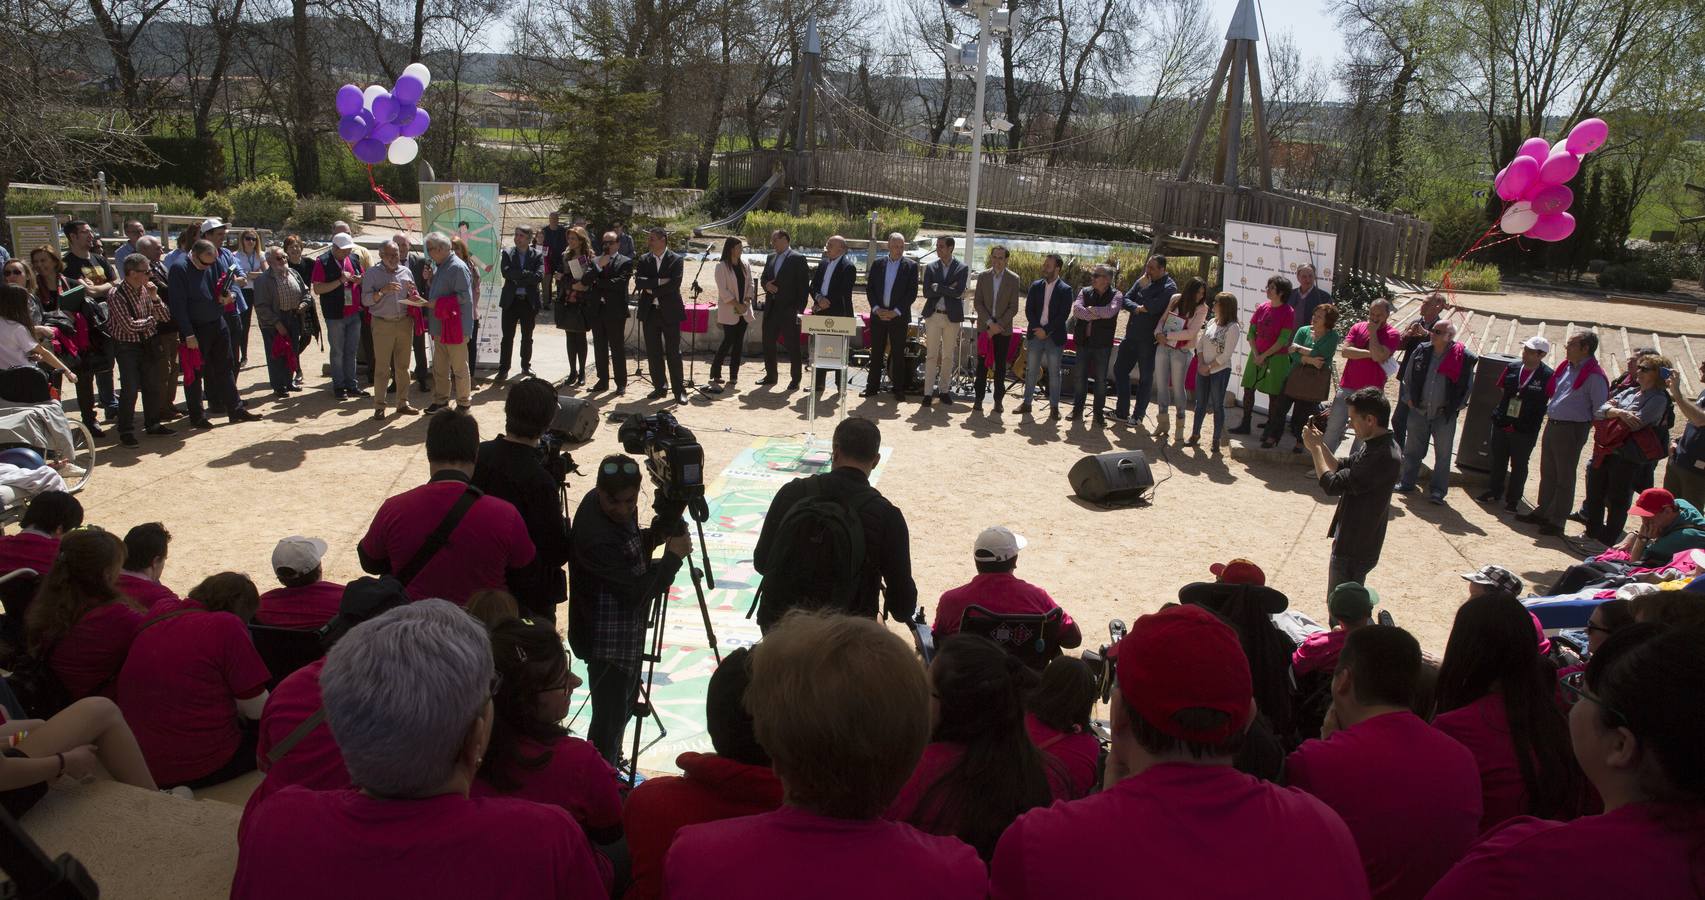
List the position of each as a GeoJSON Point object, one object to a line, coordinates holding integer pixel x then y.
{"type": "Point", "coordinates": [1059, 309]}
{"type": "Point", "coordinates": [610, 287]}
{"type": "Point", "coordinates": [1421, 366]}
{"type": "Point", "coordinates": [887, 545]}
{"type": "Point", "coordinates": [793, 276]}
{"type": "Point", "coordinates": [659, 287]}
{"type": "Point", "coordinates": [1533, 399]}
{"type": "Point", "coordinates": [522, 272]}
{"type": "Point", "coordinates": [840, 289]}
{"type": "Point", "coordinates": [511, 471]}
{"type": "Point", "coordinates": [905, 285]}
{"type": "Point", "coordinates": [332, 302]}
{"type": "Point", "coordinates": [1363, 484]}
{"type": "Point", "coordinates": [944, 289]}
{"type": "Point", "coordinates": [600, 563]}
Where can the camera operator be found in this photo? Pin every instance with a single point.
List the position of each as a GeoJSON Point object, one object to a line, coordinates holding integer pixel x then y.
{"type": "Point", "coordinates": [510, 468]}
{"type": "Point", "coordinates": [611, 585]}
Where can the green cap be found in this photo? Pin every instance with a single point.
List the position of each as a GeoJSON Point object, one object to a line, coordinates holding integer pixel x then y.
{"type": "Point", "coordinates": [1352, 601]}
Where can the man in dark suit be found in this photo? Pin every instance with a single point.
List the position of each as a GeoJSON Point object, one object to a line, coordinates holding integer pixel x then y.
{"type": "Point", "coordinates": [832, 289]}
{"type": "Point", "coordinates": [944, 310]}
{"type": "Point", "coordinates": [657, 279]}
{"type": "Point", "coordinates": [609, 313]}
{"type": "Point", "coordinates": [1046, 309]}
{"type": "Point", "coordinates": [523, 270]}
{"type": "Point", "coordinates": [197, 285]}
{"type": "Point", "coordinates": [1307, 295]}
{"type": "Point", "coordinates": [891, 289]}
{"type": "Point", "coordinates": [786, 282]}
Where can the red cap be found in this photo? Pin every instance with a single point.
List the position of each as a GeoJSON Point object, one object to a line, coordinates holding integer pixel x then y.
{"type": "Point", "coordinates": [1651, 502]}
{"type": "Point", "coordinates": [1184, 658]}
{"type": "Point", "coordinates": [1239, 571]}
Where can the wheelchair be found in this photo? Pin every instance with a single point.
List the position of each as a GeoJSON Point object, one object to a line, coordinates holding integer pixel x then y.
{"type": "Point", "coordinates": [31, 419]}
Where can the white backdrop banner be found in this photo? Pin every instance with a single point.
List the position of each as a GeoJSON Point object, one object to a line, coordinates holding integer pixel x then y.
{"type": "Point", "coordinates": [1253, 253]}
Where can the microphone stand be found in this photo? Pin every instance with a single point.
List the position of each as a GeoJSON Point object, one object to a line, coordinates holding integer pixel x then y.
{"type": "Point", "coordinates": [693, 296]}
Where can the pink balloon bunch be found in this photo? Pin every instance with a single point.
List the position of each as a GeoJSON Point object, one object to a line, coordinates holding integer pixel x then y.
{"type": "Point", "coordinates": [1534, 184]}
{"type": "Point", "coordinates": [378, 124]}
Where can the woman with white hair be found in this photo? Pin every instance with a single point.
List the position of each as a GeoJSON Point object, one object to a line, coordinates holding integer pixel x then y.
{"type": "Point", "coordinates": [408, 698]}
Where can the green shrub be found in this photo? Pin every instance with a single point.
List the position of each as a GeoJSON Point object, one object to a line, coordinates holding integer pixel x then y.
{"type": "Point", "coordinates": [1673, 260]}
{"type": "Point", "coordinates": [264, 202]}
{"type": "Point", "coordinates": [1633, 276]}
{"type": "Point", "coordinates": [1467, 276]}
{"type": "Point", "coordinates": [1352, 291]}
{"type": "Point", "coordinates": [172, 201]}
{"type": "Point", "coordinates": [1456, 224]}
{"type": "Point", "coordinates": [315, 215]}
{"type": "Point", "coordinates": [815, 229]}
{"type": "Point", "coordinates": [1128, 261]}
{"type": "Point", "coordinates": [217, 204]}
{"type": "Point", "coordinates": [890, 219]}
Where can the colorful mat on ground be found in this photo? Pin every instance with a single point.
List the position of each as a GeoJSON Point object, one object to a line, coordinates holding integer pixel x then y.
{"type": "Point", "coordinates": [737, 499]}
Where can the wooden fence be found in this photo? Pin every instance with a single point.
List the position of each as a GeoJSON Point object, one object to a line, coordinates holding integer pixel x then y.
{"type": "Point", "coordinates": [1186, 214]}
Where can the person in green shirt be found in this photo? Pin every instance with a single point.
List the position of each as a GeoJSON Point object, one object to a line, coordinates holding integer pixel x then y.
{"type": "Point", "coordinates": [1315, 345]}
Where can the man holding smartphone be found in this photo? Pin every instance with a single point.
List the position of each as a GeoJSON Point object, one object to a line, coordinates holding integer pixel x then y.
{"type": "Point", "coordinates": [1362, 482]}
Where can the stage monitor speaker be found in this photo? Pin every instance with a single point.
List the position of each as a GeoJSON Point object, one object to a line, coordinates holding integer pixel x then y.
{"type": "Point", "coordinates": [1111, 477]}
{"type": "Point", "coordinates": [1474, 448]}
{"type": "Point", "coordinates": [575, 417]}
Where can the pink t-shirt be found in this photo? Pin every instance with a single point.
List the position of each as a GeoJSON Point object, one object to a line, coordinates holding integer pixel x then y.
{"type": "Point", "coordinates": [794, 853]}
{"type": "Point", "coordinates": [315, 761]}
{"type": "Point", "coordinates": [1484, 728]}
{"type": "Point", "coordinates": [576, 778]}
{"type": "Point", "coordinates": [179, 690]}
{"type": "Point", "coordinates": [145, 591]}
{"type": "Point", "coordinates": [345, 845]}
{"type": "Point", "coordinates": [1319, 651]}
{"type": "Point", "coordinates": [1636, 851]}
{"type": "Point", "coordinates": [1410, 794]}
{"type": "Point", "coordinates": [88, 658]}
{"type": "Point", "coordinates": [1366, 372]}
{"type": "Point", "coordinates": [1079, 754]}
{"type": "Point", "coordinates": [997, 592]}
{"type": "Point", "coordinates": [308, 607]}
{"type": "Point", "coordinates": [490, 540]}
{"type": "Point", "coordinates": [1183, 831]}
{"type": "Point", "coordinates": [27, 551]}
{"type": "Point", "coordinates": [1268, 322]}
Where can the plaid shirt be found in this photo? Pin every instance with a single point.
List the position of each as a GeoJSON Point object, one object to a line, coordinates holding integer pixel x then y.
{"type": "Point", "coordinates": [618, 627]}
{"type": "Point", "coordinates": [127, 304]}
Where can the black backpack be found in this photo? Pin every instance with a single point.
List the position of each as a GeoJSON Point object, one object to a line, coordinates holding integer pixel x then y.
{"type": "Point", "coordinates": [818, 555]}
{"type": "Point", "coordinates": [37, 686]}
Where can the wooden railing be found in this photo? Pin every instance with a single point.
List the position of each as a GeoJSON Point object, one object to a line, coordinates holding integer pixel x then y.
{"type": "Point", "coordinates": [1188, 213]}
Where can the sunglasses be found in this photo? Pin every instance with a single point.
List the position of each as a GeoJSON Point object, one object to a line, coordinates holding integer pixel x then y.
{"type": "Point", "coordinates": [625, 467]}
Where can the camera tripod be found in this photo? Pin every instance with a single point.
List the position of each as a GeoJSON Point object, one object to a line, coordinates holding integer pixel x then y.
{"type": "Point", "coordinates": [671, 521]}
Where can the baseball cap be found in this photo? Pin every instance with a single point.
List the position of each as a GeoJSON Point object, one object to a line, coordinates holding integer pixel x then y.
{"type": "Point", "coordinates": [1184, 658]}
{"type": "Point", "coordinates": [211, 223]}
{"type": "Point", "coordinates": [1651, 502]}
{"type": "Point", "coordinates": [298, 554]}
{"type": "Point", "coordinates": [1352, 601]}
{"type": "Point", "coordinates": [1537, 342]}
{"type": "Point", "coordinates": [1238, 571]}
{"type": "Point", "coordinates": [999, 543]}
{"type": "Point", "coordinates": [342, 241]}
{"type": "Point", "coordinates": [363, 599]}
{"type": "Point", "coordinates": [1497, 577]}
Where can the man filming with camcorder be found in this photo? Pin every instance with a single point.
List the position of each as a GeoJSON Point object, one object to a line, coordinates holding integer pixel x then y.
{"type": "Point", "coordinates": [528, 467]}
{"type": "Point", "coordinates": [612, 582]}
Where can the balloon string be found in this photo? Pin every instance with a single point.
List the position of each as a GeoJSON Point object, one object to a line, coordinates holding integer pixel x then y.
{"type": "Point", "coordinates": [390, 201]}
{"type": "Point", "coordinates": [1479, 244]}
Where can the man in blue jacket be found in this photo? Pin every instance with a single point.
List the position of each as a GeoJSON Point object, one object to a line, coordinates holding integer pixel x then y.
{"type": "Point", "coordinates": [1525, 386]}
{"type": "Point", "coordinates": [944, 309]}
{"type": "Point", "coordinates": [523, 270]}
{"type": "Point", "coordinates": [1146, 301]}
{"type": "Point", "coordinates": [891, 288]}
{"type": "Point", "coordinates": [1436, 388]}
{"type": "Point", "coordinates": [1046, 309]}
{"type": "Point", "coordinates": [195, 286]}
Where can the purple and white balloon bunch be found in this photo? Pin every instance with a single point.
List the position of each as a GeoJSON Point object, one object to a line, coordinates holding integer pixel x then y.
{"type": "Point", "coordinates": [1534, 183]}
{"type": "Point", "coordinates": [380, 125]}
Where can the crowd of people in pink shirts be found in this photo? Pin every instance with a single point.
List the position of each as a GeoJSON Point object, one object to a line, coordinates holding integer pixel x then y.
{"type": "Point", "coordinates": [426, 753]}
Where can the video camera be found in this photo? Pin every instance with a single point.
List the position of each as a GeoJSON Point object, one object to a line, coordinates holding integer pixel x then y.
{"type": "Point", "coordinates": [1103, 666]}
{"type": "Point", "coordinates": [556, 460]}
{"type": "Point", "coordinates": [673, 458]}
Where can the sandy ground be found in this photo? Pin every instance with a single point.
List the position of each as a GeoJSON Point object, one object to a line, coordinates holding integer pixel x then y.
{"type": "Point", "coordinates": [319, 467]}
{"type": "Point", "coordinates": [1562, 307]}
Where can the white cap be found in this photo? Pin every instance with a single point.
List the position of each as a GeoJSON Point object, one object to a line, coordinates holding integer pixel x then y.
{"type": "Point", "coordinates": [211, 223]}
{"type": "Point", "coordinates": [998, 544]}
{"type": "Point", "coordinates": [298, 554]}
{"type": "Point", "coordinates": [342, 241]}
{"type": "Point", "coordinates": [1537, 342]}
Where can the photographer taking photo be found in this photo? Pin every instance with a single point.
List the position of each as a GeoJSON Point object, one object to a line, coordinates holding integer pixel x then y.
{"type": "Point", "coordinates": [511, 468]}
{"type": "Point", "coordinates": [611, 586]}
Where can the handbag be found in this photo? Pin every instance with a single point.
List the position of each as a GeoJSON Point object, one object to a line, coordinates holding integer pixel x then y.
{"type": "Point", "coordinates": [1309, 384]}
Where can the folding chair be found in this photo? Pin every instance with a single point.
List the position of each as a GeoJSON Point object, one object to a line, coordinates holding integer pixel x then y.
{"type": "Point", "coordinates": [284, 650]}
